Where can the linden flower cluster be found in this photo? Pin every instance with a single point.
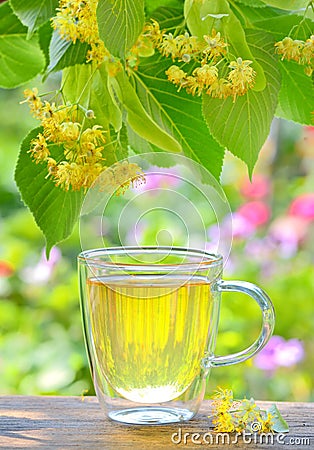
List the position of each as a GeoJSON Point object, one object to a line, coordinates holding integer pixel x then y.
{"type": "Point", "coordinates": [82, 161]}
{"type": "Point", "coordinates": [76, 20]}
{"type": "Point", "coordinates": [299, 51]}
{"type": "Point", "coordinates": [209, 52]}
{"type": "Point", "coordinates": [230, 416]}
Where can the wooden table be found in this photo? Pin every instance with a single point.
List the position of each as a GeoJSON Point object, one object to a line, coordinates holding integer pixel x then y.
{"type": "Point", "coordinates": [73, 422]}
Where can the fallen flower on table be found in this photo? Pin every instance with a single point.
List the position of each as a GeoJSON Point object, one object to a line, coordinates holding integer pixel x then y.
{"type": "Point", "coordinates": [232, 415]}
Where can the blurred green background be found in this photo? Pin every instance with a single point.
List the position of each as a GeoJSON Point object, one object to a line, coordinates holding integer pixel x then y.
{"type": "Point", "coordinates": [41, 342]}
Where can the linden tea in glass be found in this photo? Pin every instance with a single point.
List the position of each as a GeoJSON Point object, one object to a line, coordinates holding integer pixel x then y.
{"type": "Point", "coordinates": [150, 320]}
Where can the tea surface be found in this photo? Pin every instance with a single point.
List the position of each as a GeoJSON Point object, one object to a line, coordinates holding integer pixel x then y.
{"type": "Point", "coordinates": [150, 333]}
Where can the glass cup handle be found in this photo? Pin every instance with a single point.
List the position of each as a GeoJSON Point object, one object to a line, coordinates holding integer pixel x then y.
{"type": "Point", "coordinates": [268, 324]}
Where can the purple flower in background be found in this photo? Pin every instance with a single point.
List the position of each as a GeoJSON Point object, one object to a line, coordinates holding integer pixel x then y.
{"type": "Point", "coordinates": [241, 227]}
{"type": "Point", "coordinates": [279, 353]}
{"type": "Point", "coordinates": [287, 232]}
{"type": "Point", "coordinates": [42, 271]}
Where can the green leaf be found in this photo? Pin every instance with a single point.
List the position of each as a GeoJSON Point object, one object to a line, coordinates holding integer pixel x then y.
{"type": "Point", "coordinates": [44, 35]}
{"type": "Point", "coordinates": [287, 4]}
{"type": "Point", "coordinates": [251, 14]}
{"type": "Point", "coordinates": [20, 59]}
{"type": "Point", "coordinates": [139, 120]}
{"type": "Point", "coordinates": [280, 425]}
{"type": "Point", "coordinates": [92, 91]}
{"type": "Point", "coordinates": [179, 114]}
{"type": "Point", "coordinates": [243, 126]}
{"type": "Point", "coordinates": [33, 14]}
{"type": "Point", "coordinates": [169, 18]}
{"type": "Point", "coordinates": [252, 3]}
{"type": "Point", "coordinates": [283, 25]}
{"type": "Point", "coordinates": [296, 96]}
{"type": "Point", "coordinates": [63, 53]}
{"type": "Point", "coordinates": [152, 5]}
{"type": "Point", "coordinates": [120, 22]}
{"type": "Point", "coordinates": [55, 211]}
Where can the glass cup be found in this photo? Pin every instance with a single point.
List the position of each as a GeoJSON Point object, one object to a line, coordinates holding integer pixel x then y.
{"type": "Point", "coordinates": [150, 319]}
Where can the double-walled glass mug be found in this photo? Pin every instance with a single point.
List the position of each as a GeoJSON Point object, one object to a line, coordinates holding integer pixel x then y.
{"type": "Point", "coordinates": [150, 319]}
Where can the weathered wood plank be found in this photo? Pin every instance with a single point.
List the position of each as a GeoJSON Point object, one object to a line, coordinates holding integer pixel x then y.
{"type": "Point", "coordinates": [69, 422]}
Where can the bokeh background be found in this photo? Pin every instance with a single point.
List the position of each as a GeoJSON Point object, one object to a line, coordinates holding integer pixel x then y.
{"type": "Point", "coordinates": [41, 342]}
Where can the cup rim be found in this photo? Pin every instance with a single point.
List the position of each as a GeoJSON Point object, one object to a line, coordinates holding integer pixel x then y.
{"type": "Point", "coordinates": [207, 259]}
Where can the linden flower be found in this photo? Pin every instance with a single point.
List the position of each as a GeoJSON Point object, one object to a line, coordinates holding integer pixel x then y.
{"type": "Point", "coordinates": [216, 47]}
{"type": "Point", "coordinates": [76, 20]}
{"type": "Point", "coordinates": [223, 423]}
{"type": "Point", "coordinates": [289, 49]}
{"type": "Point", "coordinates": [126, 173]}
{"type": "Point", "coordinates": [267, 423]}
{"type": "Point", "coordinates": [39, 149]}
{"type": "Point", "coordinates": [70, 131]}
{"type": "Point", "coordinates": [95, 135]}
{"type": "Point", "coordinates": [308, 50]}
{"type": "Point", "coordinates": [241, 76]}
{"type": "Point", "coordinates": [168, 46]}
{"type": "Point", "coordinates": [152, 30]}
{"type": "Point", "coordinates": [192, 86]}
{"type": "Point", "coordinates": [206, 75]}
{"type": "Point", "coordinates": [176, 75]}
{"type": "Point", "coordinates": [34, 102]}
{"type": "Point", "coordinates": [220, 89]}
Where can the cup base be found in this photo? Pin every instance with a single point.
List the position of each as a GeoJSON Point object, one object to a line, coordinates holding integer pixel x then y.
{"type": "Point", "coordinates": [151, 416]}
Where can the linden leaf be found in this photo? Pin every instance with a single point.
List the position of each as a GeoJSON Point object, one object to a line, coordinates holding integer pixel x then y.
{"type": "Point", "coordinates": [120, 22]}
{"type": "Point", "coordinates": [55, 210]}
{"type": "Point", "coordinates": [243, 126]}
{"type": "Point", "coordinates": [178, 113]}
{"type": "Point", "coordinates": [287, 4]}
{"type": "Point", "coordinates": [21, 59]}
{"type": "Point", "coordinates": [63, 53]}
{"type": "Point", "coordinates": [280, 425]}
{"type": "Point", "coordinates": [35, 13]}
{"type": "Point", "coordinates": [296, 96]}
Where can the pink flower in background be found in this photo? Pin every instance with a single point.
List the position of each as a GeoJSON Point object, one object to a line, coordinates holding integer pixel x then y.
{"type": "Point", "coordinates": [159, 178]}
{"type": "Point", "coordinates": [288, 232]}
{"type": "Point", "coordinates": [303, 206]}
{"type": "Point", "coordinates": [259, 188]}
{"type": "Point", "coordinates": [256, 213]}
{"type": "Point", "coordinates": [241, 226]}
{"type": "Point", "coordinates": [279, 353]}
{"type": "Point", "coordinates": [42, 271]}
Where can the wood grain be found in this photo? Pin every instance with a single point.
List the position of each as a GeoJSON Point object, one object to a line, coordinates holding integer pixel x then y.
{"type": "Point", "coordinates": [70, 422]}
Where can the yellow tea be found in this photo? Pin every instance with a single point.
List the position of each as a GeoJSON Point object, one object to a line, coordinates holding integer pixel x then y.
{"type": "Point", "coordinates": [150, 333]}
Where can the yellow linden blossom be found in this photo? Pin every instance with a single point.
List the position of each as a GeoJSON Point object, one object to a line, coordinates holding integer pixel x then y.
{"type": "Point", "coordinates": [215, 46]}
{"type": "Point", "coordinates": [299, 51]}
{"type": "Point", "coordinates": [153, 32]}
{"type": "Point", "coordinates": [175, 74]}
{"type": "Point", "coordinates": [82, 165]}
{"type": "Point", "coordinates": [289, 49]}
{"type": "Point", "coordinates": [266, 423]}
{"type": "Point", "coordinates": [39, 149]}
{"type": "Point", "coordinates": [206, 75]}
{"type": "Point", "coordinates": [220, 89]}
{"type": "Point", "coordinates": [76, 20]}
{"type": "Point", "coordinates": [181, 47]}
{"type": "Point", "coordinates": [119, 177]}
{"type": "Point", "coordinates": [224, 423]}
{"type": "Point", "coordinates": [308, 50]}
{"type": "Point", "coordinates": [202, 77]}
{"type": "Point", "coordinates": [241, 76]}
